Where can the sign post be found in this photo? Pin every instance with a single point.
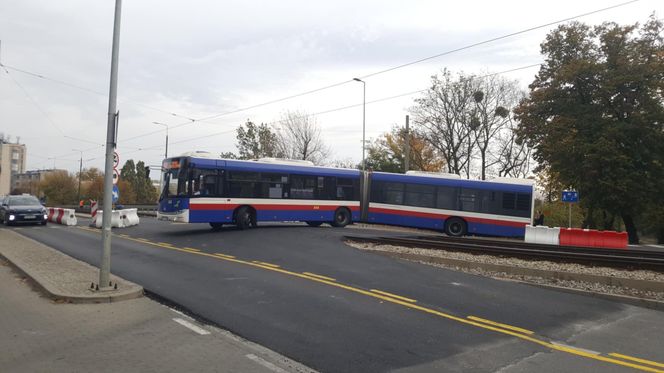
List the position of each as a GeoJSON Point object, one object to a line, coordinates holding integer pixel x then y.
{"type": "Point", "coordinates": [570, 196]}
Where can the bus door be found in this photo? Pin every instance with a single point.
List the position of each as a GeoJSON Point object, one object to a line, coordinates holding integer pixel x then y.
{"type": "Point", "coordinates": [365, 187]}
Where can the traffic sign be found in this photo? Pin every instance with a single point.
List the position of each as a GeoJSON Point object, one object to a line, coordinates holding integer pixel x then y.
{"type": "Point", "coordinates": [116, 159]}
{"type": "Point", "coordinates": [116, 193]}
{"type": "Point", "coordinates": [116, 176]}
{"type": "Point", "coordinates": [570, 196]}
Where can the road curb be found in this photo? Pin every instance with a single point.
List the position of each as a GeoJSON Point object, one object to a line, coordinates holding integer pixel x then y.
{"type": "Point", "coordinates": [60, 276]}
{"type": "Point", "coordinates": [643, 285]}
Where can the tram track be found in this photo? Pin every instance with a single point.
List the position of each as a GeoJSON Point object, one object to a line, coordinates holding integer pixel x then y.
{"type": "Point", "coordinates": [616, 258]}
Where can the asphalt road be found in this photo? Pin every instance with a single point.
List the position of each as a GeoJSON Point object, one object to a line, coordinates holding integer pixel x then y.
{"type": "Point", "coordinates": [367, 312]}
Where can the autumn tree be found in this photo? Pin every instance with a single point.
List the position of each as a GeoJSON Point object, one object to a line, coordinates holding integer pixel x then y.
{"type": "Point", "coordinates": [387, 153]}
{"type": "Point", "coordinates": [300, 137]}
{"type": "Point", "coordinates": [256, 141]}
{"type": "Point", "coordinates": [595, 115]}
{"type": "Point", "coordinates": [59, 187]}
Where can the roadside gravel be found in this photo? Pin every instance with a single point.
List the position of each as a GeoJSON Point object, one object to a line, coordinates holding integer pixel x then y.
{"type": "Point", "coordinates": [534, 264]}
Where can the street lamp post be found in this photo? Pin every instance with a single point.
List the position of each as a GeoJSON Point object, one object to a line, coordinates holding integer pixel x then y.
{"type": "Point", "coordinates": [165, 125]}
{"type": "Point", "coordinates": [80, 172]}
{"type": "Point", "coordinates": [364, 117]}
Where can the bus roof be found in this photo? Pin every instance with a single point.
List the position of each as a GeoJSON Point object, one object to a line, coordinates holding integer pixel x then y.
{"type": "Point", "coordinates": [262, 166]}
{"type": "Point", "coordinates": [501, 184]}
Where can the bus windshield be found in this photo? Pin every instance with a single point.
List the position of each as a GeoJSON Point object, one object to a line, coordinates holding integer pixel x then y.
{"type": "Point", "coordinates": [174, 178]}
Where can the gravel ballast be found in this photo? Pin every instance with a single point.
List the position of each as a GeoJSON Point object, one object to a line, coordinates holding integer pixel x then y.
{"type": "Point", "coordinates": [543, 265]}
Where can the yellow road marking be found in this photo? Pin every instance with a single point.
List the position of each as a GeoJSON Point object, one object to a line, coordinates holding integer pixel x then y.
{"type": "Point", "coordinates": [535, 340]}
{"type": "Point", "coordinates": [224, 256]}
{"type": "Point", "coordinates": [266, 264]}
{"type": "Point", "coordinates": [165, 243]}
{"type": "Point", "coordinates": [504, 326]}
{"type": "Point", "coordinates": [643, 361]}
{"type": "Point", "coordinates": [319, 276]}
{"type": "Point", "coordinates": [393, 295]}
{"type": "Point", "coordinates": [190, 249]}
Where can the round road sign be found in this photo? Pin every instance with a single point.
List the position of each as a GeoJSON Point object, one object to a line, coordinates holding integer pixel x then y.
{"type": "Point", "coordinates": [116, 176]}
{"type": "Point", "coordinates": [116, 159]}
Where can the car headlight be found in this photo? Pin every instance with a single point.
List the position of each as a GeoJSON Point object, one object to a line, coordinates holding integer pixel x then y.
{"type": "Point", "coordinates": [12, 217]}
{"type": "Point", "coordinates": [45, 216]}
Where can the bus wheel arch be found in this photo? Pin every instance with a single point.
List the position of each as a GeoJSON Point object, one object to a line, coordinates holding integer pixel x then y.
{"type": "Point", "coordinates": [456, 226]}
{"type": "Point", "coordinates": [245, 217]}
{"type": "Point", "coordinates": [342, 217]}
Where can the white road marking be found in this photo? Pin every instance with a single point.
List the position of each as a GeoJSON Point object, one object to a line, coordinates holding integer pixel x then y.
{"type": "Point", "coordinates": [191, 326]}
{"type": "Point", "coordinates": [657, 246]}
{"type": "Point", "coordinates": [455, 283]}
{"type": "Point", "coordinates": [265, 363]}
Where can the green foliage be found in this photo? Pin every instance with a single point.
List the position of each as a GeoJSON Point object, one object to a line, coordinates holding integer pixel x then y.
{"type": "Point", "coordinates": [556, 213]}
{"type": "Point", "coordinates": [256, 141]}
{"type": "Point", "coordinates": [595, 114]}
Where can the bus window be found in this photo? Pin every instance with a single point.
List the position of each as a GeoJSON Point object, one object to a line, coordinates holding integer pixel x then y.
{"type": "Point", "coordinates": [420, 195]}
{"type": "Point", "coordinates": [204, 183]}
{"type": "Point", "coordinates": [345, 189]}
{"type": "Point", "coordinates": [393, 193]}
{"type": "Point", "coordinates": [302, 187]}
{"type": "Point", "coordinates": [446, 198]}
{"type": "Point", "coordinates": [523, 202]}
{"type": "Point", "coordinates": [469, 200]}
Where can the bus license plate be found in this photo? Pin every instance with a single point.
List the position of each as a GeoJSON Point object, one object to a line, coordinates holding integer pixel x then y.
{"type": "Point", "coordinates": [27, 217]}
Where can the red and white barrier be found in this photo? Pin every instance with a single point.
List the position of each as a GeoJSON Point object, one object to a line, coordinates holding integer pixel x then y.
{"type": "Point", "coordinates": [62, 216]}
{"type": "Point", "coordinates": [593, 238]}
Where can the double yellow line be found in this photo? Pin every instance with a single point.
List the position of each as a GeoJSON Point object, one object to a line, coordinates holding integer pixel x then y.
{"type": "Point", "coordinates": [517, 332]}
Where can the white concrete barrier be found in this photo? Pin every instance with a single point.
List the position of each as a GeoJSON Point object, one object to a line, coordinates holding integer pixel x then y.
{"type": "Point", "coordinates": [62, 216]}
{"type": "Point", "coordinates": [116, 221]}
{"type": "Point", "coordinates": [129, 217]}
{"type": "Point", "coordinates": [119, 218]}
{"type": "Point", "coordinates": [542, 235]}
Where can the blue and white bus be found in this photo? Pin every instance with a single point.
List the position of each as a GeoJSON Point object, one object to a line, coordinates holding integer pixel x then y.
{"type": "Point", "coordinates": [201, 188]}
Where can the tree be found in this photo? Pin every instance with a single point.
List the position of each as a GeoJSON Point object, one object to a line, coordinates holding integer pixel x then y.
{"type": "Point", "coordinates": [128, 173]}
{"type": "Point", "coordinates": [595, 114]}
{"type": "Point", "coordinates": [387, 153]}
{"type": "Point", "coordinates": [59, 187]}
{"type": "Point", "coordinates": [256, 141]}
{"type": "Point", "coordinates": [91, 173]}
{"type": "Point", "coordinates": [145, 191]}
{"type": "Point", "coordinates": [127, 193]}
{"type": "Point", "coordinates": [444, 114]}
{"type": "Point", "coordinates": [299, 137]}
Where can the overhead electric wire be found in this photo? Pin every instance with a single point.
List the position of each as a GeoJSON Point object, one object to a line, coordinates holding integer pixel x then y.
{"type": "Point", "coordinates": [193, 120]}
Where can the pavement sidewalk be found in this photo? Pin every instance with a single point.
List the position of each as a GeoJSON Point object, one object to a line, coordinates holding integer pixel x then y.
{"type": "Point", "coordinates": [60, 276]}
{"type": "Point", "coordinates": [136, 335]}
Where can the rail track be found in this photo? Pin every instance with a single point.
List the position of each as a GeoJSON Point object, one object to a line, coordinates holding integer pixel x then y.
{"type": "Point", "coordinates": [616, 258]}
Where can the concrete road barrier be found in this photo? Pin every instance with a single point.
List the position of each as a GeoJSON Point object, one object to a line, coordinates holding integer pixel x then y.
{"type": "Point", "coordinates": [542, 235]}
{"type": "Point", "coordinates": [129, 217]}
{"type": "Point", "coordinates": [62, 216]}
{"type": "Point", "coordinates": [119, 218]}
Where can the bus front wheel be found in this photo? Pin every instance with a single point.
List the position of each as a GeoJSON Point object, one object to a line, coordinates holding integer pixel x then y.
{"type": "Point", "coordinates": [243, 218]}
{"type": "Point", "coordinates": [341, 218]}
{"type": "Point", "coordinates": [455, 227]}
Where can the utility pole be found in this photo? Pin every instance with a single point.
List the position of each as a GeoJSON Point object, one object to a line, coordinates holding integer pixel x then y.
{"type": "Point", "coordinates": [80, 174]}
{"type": "Point", "coordinates": [407, 150]}
{"type": "Point", "coordinates": [111, 131]}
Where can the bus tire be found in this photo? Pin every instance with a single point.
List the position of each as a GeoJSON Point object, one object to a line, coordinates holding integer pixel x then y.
{"type": "Point", "coordinates": [455, 227]}
{"type": "Point", "coordinates": [243, 218]}
{"type": "Point", "coordinates": [342, 217]}
{"type": "Point", "coordinates": [314, 223]}
{"type": "Point", "coordinates": [216, 226]}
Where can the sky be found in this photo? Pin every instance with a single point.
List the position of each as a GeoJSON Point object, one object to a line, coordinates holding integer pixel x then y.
{"type": "Point", "coordinates": [224, 60]}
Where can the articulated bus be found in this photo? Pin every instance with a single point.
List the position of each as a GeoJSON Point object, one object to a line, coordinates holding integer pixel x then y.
{"type": "Point", "coordinates": [200, 188]}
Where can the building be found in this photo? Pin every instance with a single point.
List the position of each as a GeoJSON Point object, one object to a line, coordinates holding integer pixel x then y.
{"type": "Point", "coordinates": [30, 181]}
{"type": "Point", "coordinates": [12, 163]}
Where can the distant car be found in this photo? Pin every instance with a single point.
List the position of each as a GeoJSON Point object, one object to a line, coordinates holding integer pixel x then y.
{"type": "Point", "coordinates": [23, 209]}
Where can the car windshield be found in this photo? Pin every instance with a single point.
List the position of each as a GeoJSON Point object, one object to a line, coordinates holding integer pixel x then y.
{"type": "Point", "coordinates": [23, 201]}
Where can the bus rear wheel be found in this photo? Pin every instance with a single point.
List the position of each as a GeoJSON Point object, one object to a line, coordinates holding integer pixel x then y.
{"type": "Point", "coordinates": [314, 223]}
{"type": "Point", "coordinates": [455, 227]}
{"type": "Point", "coordinates": [341, 218]}
{"type": "Point", "coordinates": [244, 218]}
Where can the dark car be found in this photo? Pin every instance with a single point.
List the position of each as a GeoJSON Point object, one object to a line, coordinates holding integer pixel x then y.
{"type": "Point", "coordinates": [22, 209]}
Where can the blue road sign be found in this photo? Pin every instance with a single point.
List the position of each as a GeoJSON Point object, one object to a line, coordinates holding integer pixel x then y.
{"type": "Point", "coordinates": [116, 193]}
{"type": "Point", "coordinates": [570, 196]}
